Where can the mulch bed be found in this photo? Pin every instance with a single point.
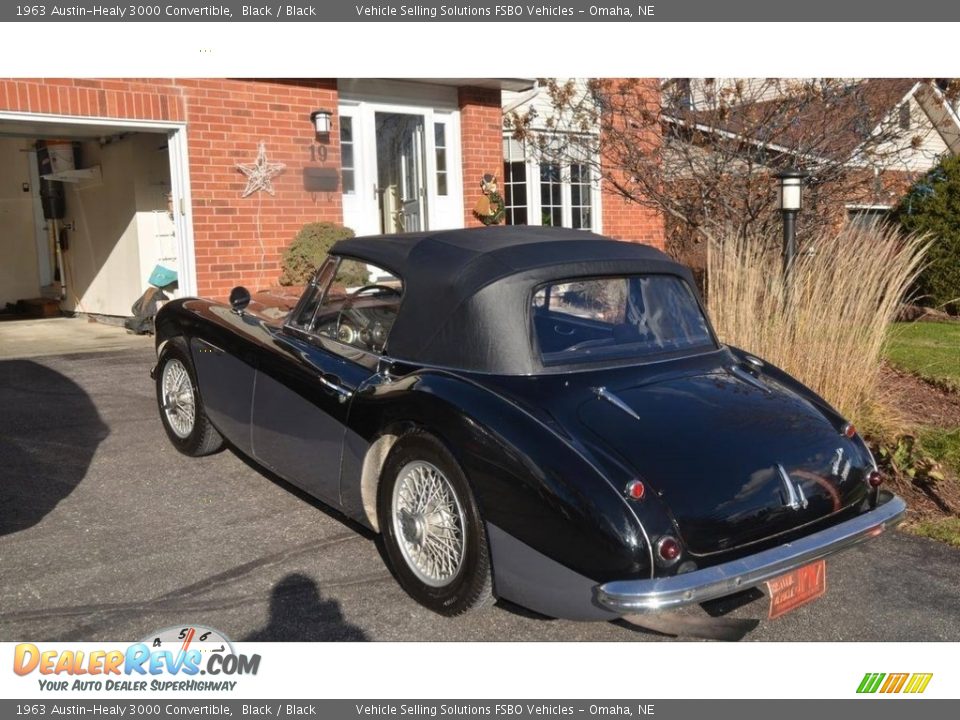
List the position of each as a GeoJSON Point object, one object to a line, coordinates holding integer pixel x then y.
{"type": "Point", "coordinates": [920, 403]}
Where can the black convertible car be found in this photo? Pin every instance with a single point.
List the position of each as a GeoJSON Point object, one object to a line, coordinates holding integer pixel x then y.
{"type": "Point", "coordinates": [535, 414]}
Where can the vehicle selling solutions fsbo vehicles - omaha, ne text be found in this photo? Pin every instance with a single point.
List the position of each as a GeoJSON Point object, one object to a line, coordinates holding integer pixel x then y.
{"type": "Point", "coordinates": [536, 414]}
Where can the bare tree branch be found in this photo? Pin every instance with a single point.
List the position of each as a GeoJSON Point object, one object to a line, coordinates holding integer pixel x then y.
{"type": "Point", "coordinates": [702, 151]}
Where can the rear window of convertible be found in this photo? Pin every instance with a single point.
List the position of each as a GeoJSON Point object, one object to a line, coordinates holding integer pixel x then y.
{"type": "Point", "coordinates": [616, 318]}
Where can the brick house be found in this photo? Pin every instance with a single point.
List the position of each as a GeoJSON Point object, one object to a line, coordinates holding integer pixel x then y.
{"type": "Point", "coordinates": [103, 180]}
{"type": "Point", "coordinates": [917, 123]}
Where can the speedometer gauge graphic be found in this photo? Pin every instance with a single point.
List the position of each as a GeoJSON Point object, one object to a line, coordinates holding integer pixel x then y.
{"type": "Point", "coordinates": [181, 638]}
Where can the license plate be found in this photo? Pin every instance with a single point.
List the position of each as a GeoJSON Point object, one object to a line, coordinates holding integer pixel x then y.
{"type": "Point", "coordinates": [798, 587]}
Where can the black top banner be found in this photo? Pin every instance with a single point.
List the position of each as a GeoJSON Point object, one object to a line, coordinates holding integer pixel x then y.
{"type": "Point", "coordinates": [430, 11]}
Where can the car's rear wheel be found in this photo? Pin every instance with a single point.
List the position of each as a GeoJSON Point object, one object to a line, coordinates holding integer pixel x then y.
{"type": "Point", "coordinates": [180, 404]}
{"type": "Point", "coordinates": [432, 528]}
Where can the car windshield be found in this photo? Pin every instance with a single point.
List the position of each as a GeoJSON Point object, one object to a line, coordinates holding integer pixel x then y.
{"type": "Point", "coordinates": [616, 318]}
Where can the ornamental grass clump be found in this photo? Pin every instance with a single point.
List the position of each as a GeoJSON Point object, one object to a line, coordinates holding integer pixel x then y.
{"type": "Point", "coordinates": [828, 327]}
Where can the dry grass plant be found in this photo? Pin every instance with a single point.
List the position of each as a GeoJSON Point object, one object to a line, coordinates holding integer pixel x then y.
{"type": "Point", "coordinates": [828, 327]}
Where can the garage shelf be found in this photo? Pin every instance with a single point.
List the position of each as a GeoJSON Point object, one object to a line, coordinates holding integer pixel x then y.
{"type": "Point", "coordinates": [89, 174]}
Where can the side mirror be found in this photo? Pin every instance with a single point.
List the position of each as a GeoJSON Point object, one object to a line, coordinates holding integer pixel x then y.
{"type": "Point", "coordinates": [239, 299]}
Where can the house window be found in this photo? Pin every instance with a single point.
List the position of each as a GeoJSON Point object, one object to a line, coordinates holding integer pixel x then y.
{"type": "Point", "coordinates": [440, 138]}
{"type": "Point", "coordinates": [347, 175]}
{"type": "Point", "coordinates": [580, 197]}
{"type": "Point", "coordinates": [549, 192]}
{"type": "Point", "coordinates": [867, 216]}
{"type": "Point", "coordinates": [905, 116]}
{"type": "Point", "coordinates": [551, 195]}
{"type": "Point", "coordinates": [514, 183]}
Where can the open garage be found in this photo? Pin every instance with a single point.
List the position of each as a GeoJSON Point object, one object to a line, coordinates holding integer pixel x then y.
{"type": "Point", "coordinates": [90, 215]}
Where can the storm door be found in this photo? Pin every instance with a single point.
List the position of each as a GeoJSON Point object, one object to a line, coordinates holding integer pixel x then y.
{"type": "Point", "coordinates": [401, 185]}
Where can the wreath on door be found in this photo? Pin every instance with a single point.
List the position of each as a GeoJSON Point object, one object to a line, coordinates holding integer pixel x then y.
{"type": "Point", "coordinates": [489, 209]}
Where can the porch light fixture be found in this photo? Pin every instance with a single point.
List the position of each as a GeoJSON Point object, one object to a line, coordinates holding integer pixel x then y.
{"type": "Point", "coordinates": [321, 121]}
{"type": "Point", "coordinates": [790, 198]}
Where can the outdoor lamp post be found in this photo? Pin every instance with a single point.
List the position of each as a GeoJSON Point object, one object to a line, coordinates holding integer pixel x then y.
{"type": "Point", "coordinates": [790, 196]}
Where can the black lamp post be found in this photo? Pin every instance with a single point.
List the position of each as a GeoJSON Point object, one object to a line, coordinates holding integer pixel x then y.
{"type": "Point", "coordinates": [790, 196]}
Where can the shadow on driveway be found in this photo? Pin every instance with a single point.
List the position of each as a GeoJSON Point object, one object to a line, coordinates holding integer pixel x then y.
{"type": "Point", "coordinates": [298, 613]}
{"type": "Point", "coordinates": [49, 432]}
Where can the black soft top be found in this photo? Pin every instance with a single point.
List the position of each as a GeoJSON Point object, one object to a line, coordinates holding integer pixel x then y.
{"type": "Point", "coordinates": [467, 293]}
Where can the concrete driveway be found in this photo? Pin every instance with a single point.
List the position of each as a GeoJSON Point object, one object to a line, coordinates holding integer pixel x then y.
{"type": "Point", "coordinates": [107, 533]}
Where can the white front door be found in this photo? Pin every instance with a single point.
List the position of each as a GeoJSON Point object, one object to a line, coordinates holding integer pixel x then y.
{"type": "Point", "coordinates": [401, 182]}
{"type": "Point", "coordinates": [400, 167]}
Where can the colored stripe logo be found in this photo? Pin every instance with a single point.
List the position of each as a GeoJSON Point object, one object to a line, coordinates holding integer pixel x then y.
{"type": "Point", "coordinates": [913, 683]}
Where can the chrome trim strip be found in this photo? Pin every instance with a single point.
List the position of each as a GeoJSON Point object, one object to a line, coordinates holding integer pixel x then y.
{"type": "Point", "coordinates": [794, 500]}
{"type": "Point", "coordinates": [801, 496]}
{"type": "Point", "coordinates": [604, 394]}
{"type": "Point", "coordinates": [563, 369]}
{"type": "Point", "coordinates": [640, 596]}
{"type": "Point", "coordinates": [343, 393]}
{"type": "Point", "coordinates": [741, 374]}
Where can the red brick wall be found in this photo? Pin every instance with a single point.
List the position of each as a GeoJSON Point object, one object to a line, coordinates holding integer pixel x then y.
{"type": "Point", "coordinates": [239, 240]}
{"type": "Point", "coordinates": [129, 99]}
{"type": "Point", "coordinates": [625, 219]}
{"type": "Point", "coordinates": [481, 133]}
{"type": "Point", "coordinates": [226, 120]}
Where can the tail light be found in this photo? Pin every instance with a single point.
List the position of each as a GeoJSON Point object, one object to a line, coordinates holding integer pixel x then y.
{"type": "Point", "coordinates": [874, 479]}
{"type": "Point", "coordinates": [668, 550]}
{"type": "Point", "coordinates": [635, 490]}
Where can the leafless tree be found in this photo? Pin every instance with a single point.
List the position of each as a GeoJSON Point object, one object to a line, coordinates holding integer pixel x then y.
{"type": "Point", "coordinates": [703, 151]}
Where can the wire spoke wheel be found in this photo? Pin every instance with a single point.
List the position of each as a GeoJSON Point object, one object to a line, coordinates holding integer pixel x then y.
{"type": "Point", "coordinates": [179, 403]}
{"type": "Point", "coordinates": [428, 522]}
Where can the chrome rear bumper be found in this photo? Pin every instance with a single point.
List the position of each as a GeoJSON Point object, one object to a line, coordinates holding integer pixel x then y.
{"type": "Point", "coordinates": [639, 596]}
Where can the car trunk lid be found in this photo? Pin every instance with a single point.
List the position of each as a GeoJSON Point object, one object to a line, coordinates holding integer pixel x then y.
{"type": "Point", "coordinates": [735, 456]}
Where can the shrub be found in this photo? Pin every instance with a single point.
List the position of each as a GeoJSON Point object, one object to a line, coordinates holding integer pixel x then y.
{"type": "Point", "coordinates": [829, 330]}
{"type": "Point", "coordinates": [308, 250]}
{"type": "Point", "coordinates": [933, 206]}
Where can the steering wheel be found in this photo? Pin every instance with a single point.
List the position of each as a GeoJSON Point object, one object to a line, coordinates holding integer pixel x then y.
{"type": "Point", "coordinates": [375, 286]}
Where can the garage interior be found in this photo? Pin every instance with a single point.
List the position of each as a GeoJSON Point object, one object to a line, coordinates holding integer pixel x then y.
{"type": "Point", "coordinates": [86, 219]}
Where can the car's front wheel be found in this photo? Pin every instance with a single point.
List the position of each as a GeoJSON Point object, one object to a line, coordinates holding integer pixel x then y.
{"type": "Point", "coordinates": [181, 407]}
{"type": "Point", "coordinates": [432, 528]}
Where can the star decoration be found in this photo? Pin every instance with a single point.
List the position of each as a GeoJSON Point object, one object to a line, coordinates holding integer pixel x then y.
{"type": "Point", "coordinates": [260, 173]}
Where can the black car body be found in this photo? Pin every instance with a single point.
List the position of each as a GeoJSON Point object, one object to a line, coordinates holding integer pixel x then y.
{"type": "Point", "coordinates": [604, 453]}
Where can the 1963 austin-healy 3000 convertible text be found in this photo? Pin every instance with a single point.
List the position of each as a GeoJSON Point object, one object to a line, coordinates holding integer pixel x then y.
{"type": "Point", "coordinates": [535, 414]}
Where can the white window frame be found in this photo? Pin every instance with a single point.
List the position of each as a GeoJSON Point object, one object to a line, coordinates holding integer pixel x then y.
{"type": "Point", "coordinates": [534, 204]}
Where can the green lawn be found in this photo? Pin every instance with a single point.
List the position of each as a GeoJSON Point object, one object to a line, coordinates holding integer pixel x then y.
{"type": "Point", "coordinates": [928, 349]}
{"type": "Point", "coordinates": [944, 529]}
{"type": "Point", "coordinates": [931, 350]}
{"type": "Point", "coordinates": [943, 445]}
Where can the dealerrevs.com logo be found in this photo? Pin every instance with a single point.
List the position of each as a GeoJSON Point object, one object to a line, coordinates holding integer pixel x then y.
{"type": "Point", "coordinates": [171, 659]}
{"type": "Point", "coordinates": [887, 683]}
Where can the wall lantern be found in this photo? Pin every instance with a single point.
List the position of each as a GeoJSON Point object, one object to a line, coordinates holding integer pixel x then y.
{"type": "Point", "coordinates": [321, 121]}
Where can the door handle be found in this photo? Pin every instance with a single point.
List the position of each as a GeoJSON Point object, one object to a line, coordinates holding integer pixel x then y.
{"type": "Point", "coordinates": [560, 331]}
{"type": "Point", "coordinates": [332, 383]}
